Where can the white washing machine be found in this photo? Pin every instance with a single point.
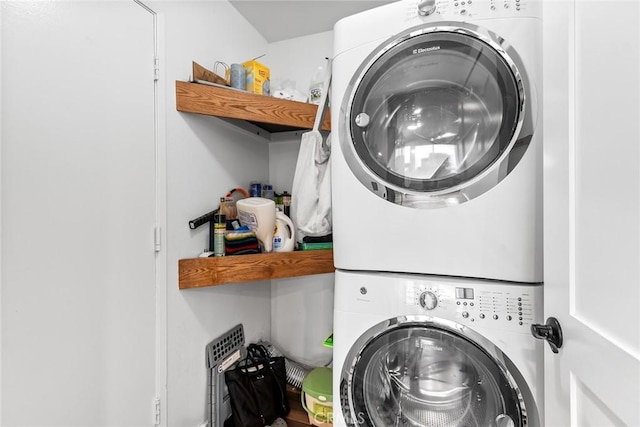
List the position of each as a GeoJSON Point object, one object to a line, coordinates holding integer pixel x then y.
{"type": "Point", "coordinates": [436, 167]}
{"type": "Point", "coordinates": [413, 350]}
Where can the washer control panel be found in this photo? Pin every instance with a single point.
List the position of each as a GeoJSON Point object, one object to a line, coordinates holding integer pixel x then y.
{"type": "Point", "coordinates": [494, 305]}
{"type": "Point", "coordinates": [511, 306]}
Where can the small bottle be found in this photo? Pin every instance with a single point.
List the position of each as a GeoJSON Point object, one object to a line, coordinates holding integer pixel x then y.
{"type": "Point", "coordinates": [316, 86]}
{"type": "Point", "coordinates": [279, 204]}
{"type": "Point", "coordinates": [219, 228]}
{"type": "Point", "coordinates": [267, 191]}
{"type": "Point", "coordinates": [231, 210]}
{"type": "Point", "coordinates": [286, 202]}
{"type": "Point", "coordinates": [255, 190]}
{"type": "Point", "coordinates": [223, 207]}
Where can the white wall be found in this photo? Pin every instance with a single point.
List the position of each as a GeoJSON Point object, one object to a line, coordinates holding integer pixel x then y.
{"type": "Point", "coordinates": [301, 308]}
{"type": "Point", "coordinates": [298, 59]}
{"type": "Point", "coordinates": [78, 343]}
{"type": "Point", "coordinates": [206, 157]}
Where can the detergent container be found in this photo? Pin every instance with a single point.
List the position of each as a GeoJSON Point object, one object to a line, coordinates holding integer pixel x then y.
{"type": "Point", "coordinates": [259, 215]}
{"type": "Point", "coordinates": [317, 397]}
{"type": "Point", "coordinates": [283, 234]}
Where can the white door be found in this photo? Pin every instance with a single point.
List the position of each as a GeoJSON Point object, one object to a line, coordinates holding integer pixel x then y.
{"type": "Point", "coordinates": [78, 214]}
{"type": "Point", "coordinates": [591, 211]}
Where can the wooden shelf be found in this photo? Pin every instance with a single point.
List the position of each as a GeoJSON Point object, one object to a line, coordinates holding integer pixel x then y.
{"type": "Point", "coordinates": [213, 271]}
{"type": "Point", "coordinates": [272, 115]}
{"type": "Point", "coordinates": [268, 113]}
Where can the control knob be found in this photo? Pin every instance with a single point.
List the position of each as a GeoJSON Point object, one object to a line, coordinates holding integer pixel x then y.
{"type": "Point", "coordinates": [428, 300]}
{"type": "Point", "coordinates": [426, 7]}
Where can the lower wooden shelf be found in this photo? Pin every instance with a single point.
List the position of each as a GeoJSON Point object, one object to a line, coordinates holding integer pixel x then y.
{"type": "Point", "coordinates": [213, 271]}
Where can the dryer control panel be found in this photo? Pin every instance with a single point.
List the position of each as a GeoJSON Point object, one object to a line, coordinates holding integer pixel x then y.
{"type": "Point", "coordinates": [514, 307]}
{"type": "Point", "coordinates": [476, 9]}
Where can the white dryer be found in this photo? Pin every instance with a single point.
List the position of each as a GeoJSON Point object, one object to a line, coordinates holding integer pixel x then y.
{"type": "Point", "coordinates": [436, 163]}
{"type": "Point", "coordinates": [415, 350]}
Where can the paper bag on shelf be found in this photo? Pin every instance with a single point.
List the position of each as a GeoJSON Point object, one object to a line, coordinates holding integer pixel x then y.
{"type": "Point", "coordinates": [201, 73]}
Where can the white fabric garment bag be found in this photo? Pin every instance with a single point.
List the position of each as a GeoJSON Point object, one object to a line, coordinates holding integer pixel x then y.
{"type": "Point", "coordinates": [311, 191]}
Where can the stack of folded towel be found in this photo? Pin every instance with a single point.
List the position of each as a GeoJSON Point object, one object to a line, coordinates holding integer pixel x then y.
{"type": "Point", "coordinates": [240, 242]}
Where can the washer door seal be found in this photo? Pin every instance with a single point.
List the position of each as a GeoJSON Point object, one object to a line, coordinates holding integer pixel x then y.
{"type": "Point", "coordinates": [418, 370]}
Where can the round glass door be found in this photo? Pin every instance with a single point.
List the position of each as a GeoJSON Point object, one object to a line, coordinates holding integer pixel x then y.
{"type": "Point", "coordinates": [431, 113]}
{"type": "Point", "coordinates": [417, 375]}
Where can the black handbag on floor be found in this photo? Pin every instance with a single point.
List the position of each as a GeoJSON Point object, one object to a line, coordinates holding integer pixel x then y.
{"type": "Point", "coordinates": [257, 388]}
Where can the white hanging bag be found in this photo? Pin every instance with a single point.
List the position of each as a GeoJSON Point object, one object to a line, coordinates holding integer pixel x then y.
{"type": "Point", "coordinates": [311, 192]}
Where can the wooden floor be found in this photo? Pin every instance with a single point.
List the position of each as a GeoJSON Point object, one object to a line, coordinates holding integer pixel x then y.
{"type": "Point", "coordinates": [298, 416]}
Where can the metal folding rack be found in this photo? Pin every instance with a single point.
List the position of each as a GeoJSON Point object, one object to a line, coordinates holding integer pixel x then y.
{"type": "Point", "coordinates": [222, 353]}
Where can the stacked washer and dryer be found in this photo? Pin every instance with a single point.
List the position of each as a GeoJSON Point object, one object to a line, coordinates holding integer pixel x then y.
{"type": "Point", "coordinates": [436, 188]}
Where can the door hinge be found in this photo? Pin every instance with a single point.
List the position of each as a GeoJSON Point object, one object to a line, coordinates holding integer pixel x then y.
{"type": "Point", "coordinates": [156, 411]}
{"type": "Point", "coordinates": [157, 239]}
{"type": "Point", "coordinates": [156, 68]}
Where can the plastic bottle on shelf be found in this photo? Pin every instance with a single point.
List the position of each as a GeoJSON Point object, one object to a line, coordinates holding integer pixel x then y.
{"type": "Point", "coordinates": [316, 86]}
{"type": "Point", "coordinates": [267, 191]}
{"type": "Point", "coordinates": [286, 203]}
{"type": "Point", "coordinates": [219, 228]}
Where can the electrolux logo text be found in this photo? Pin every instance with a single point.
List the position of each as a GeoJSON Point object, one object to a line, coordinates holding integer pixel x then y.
{"type": "Point", "coordinates": [425, 49]}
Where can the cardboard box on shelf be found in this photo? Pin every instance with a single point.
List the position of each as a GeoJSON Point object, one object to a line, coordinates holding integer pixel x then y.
{"type": "Point", "coordinates": [257, 77]}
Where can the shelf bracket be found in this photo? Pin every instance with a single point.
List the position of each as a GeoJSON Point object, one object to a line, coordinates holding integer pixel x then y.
{"type": "Point", "coordinates": [248, 127]}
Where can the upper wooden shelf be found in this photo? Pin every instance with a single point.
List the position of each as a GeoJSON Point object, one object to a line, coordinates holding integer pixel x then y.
{"type": "Point", "coordinates": [213, 271]}
{"type": "Point", "coordinates": [271, 114]}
